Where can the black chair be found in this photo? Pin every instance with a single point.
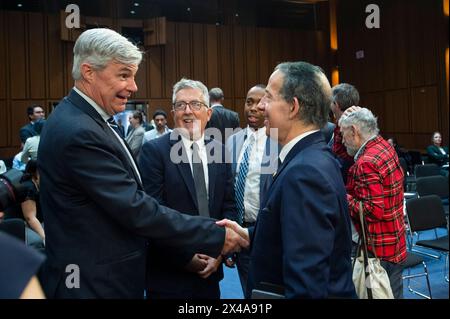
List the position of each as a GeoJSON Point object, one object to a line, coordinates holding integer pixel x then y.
{"type": "Point", "coordinates": [427, 170]}
{"type": "Point", "coordinates": [409, 184]}
{"type": "Point", "coordinates": [434, 185]}
{"type": "Point", "coordinates": [427, 213]}
{"type": "Point", "coordinates": [14, 227]}
{"type": "Point", "coordinates": [413, 260]}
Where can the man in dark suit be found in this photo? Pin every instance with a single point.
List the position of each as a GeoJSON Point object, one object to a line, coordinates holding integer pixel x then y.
{"type": "Point", "coordinates": [221, 118]}
{"type": "Point", "coordinates": [252, 154]}
{"type": "Point", "coordinates": [35, 112]}
{"type": "Point", "coordinates": [97, 214]}
{"type": "Point", "coordinates": [169, 175]}
{"type": "Point", "coordinates": [302, 238]}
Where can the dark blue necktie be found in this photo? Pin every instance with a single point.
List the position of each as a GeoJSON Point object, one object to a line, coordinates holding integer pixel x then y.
{"type": "Point", "coordinates": [239, 186]}
{"type": "Point", "coordinates": [114, 126]}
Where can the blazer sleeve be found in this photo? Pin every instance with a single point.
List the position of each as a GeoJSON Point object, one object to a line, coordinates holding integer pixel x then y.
{"type": "Point", "coordinates": [151, 166]}
{"type": "Point", "coordinates": [308, 202]}
{"type": "Point", "coordinates": [97, 170]}
{"type": "Point", "coordinates": [435, 155]}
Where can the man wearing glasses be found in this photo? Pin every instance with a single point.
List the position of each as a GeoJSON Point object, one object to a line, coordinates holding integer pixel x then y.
{"type": "Point", "coordinates": [184, 171]}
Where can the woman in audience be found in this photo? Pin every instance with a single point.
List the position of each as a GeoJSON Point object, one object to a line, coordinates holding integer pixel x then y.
{"type": "Point", "coordinates": [437, 153]}
{"type": "Point", "coordinates": [31, 208]}
{"type": "Point", "coordinates": [30, 148]}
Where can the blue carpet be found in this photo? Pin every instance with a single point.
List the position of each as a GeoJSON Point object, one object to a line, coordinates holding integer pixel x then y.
{"type": "Point", "coordinates": [230, 286]}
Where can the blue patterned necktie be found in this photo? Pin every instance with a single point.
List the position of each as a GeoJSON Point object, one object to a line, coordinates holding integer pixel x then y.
{"type": "Point", "coordinates": [239, 186]}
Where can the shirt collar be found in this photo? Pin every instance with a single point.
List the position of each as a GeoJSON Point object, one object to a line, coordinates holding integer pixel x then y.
{"type": "Point", "coordinates": [286, 148]}
{"type": "Point", "coordinates": [105, 116]}
{"type": "Point", "coordinates": [188, 142]}
{"type": "Point", "coordinates": [361, 149]}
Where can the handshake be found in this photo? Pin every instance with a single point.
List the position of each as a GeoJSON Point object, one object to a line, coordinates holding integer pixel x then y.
{"type": "Point", "coordinates": [236, 238]}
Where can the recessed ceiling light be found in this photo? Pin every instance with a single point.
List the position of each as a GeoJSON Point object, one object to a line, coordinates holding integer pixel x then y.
{"type": "Point", "coordinates": [19, 5]}
{"type": "Point", "coordinates": [188, 9]}
{"type": "Point", "coordinates": [132, 12]}
{"type": "Point", "coordinates": [136, 4]}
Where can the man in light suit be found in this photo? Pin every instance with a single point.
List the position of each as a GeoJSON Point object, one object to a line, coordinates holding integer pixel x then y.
{"type": "Point", "coordinates": [97, 214]}
{"type": "Point", "coordinates": [221, 117]}
{"type": "Point", "coordinates": [174, 184]}
{"type": "Point", "coordinates": [136, 135]}
{"type": "Point", "coordinates": [302, 238]}
{"type": "Point", "coordinates": [250, 191]}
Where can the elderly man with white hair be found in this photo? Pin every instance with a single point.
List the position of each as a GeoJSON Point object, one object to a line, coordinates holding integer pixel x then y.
{"type": "Point", "coordinates": [375, 180]}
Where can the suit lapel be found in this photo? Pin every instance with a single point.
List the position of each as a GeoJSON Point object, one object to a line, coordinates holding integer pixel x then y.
{"type": "Point", "coordinates": [212, 174]}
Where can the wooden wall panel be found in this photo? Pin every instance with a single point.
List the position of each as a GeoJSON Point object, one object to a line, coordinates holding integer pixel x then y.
{"type": "Point", "coordinates": [397, 116]}
{"type": "Point", "coordinates": [199, 52]}
{"type": "Point", "coordinates": [36, 55]}
{"type": "Point", "coordinates": [155, 60]}
{"type": "Point", "coordinates": [4, 130]}
{"type": "Point", "coordinates": [239, 64]}
{"type": "Point", "coordinates": [424, 109]}
{"type": "Point", "coordinates": [374, 101]}
{"type": "Point", "coordinates": [5, 66]}
{"type": "Point", "coordinates": [17, 53]}
{"type": "Point", "coordinates": [212, 53]}
{"type": "Point", "coordinates": [264, 46]}
{"type": "Point", "coordinates": [239, 108]}
{"type": "Point", "coordinates": [251, 58]}
{"type": "Point", "coordinates": [55, 63]}
{"type": "Point", "coordinates": [142, 80]}
{"type": "Point", "coordinates": [226, 61]}
{"type": "Point", "coordinates": [184, 50]}
{"type": "Point", "coordinates": [170, 72]}
{"type": "Point", "coordinates": [38, 64]}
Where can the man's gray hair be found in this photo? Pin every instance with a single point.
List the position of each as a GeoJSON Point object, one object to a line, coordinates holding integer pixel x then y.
{"type": "Point", "coordinates": [216, 94]}
{"type": "Point", "coordinates": [310, 86]}
{"type": "Point", "coordinates": [190, 84]}
{"type": "Point", "coordinates": [345, 95]}
{"type": "Point", "coordinates": [99, 46]}
{"type": "Point", "coordinates": [364, 120]}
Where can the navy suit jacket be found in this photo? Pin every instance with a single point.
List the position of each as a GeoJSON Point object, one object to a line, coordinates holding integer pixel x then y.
{"type": "Point", "coordinates": [27, 131]}
{"type": "Point", "coordinates": [96, 212]}
{"type": "Point", "coordinates": [172, 185]}
{"type": "Point", "coordinates": [302, 238]}
{"type": "Point", "coordinates": [222, 118]}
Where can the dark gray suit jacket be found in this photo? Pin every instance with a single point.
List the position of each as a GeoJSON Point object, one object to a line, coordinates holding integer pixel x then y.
{"type": "Point", "coordinates": [223, 118]}
{"type": "Point", "coordinates": [97, 215]}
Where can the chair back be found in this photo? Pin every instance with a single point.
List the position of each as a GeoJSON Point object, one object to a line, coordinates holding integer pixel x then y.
{"type": "Point", "coordinates": [14, 227]}
{"type": "Point", "coordinates": [425, 213]}
{"type": "Point", "coordinates": [432, 185]}
{"type": "Point", "coordinates": [426, 170]}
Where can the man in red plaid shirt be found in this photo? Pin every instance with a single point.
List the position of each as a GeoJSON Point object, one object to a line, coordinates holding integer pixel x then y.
{"type": "Point", "coordinates": [376, 180]}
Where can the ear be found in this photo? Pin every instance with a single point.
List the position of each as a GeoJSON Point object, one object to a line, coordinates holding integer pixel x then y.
{"type": "Point", "coordinates": [87, 72]}
{"type": "Point", "coordinates": [209, 112]}
{"type": "Point", "coordinates": [294, 108]}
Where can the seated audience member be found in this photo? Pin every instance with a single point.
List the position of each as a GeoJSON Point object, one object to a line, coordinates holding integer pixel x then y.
{"type": "Point", "coordinates": [18, 275]}
{"type": "Point", "coordinates": [30, 149]}
{"type": "Point", "coordinates": [30, 205]}
{"type": "Point", "coordinates": [160, 120]}
{"type": "Point", "coordinates": [437, 153]}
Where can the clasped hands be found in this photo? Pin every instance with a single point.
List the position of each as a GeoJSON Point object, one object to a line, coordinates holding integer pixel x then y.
{"type": "Point", "coordinates": [236, 238]}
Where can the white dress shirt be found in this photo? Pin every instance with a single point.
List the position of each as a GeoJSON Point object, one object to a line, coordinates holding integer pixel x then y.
{"type": "Point", "coordinates": [287, 148]}
{"type": "Point", "coordinates": [252, 181]}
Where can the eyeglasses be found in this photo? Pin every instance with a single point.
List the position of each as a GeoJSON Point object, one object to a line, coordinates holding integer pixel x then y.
{"type": "Point", "coordinates": [194, 105]}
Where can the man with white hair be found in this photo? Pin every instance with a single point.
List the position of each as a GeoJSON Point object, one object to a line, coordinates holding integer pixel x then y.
{"type": "Point", "coordinates": [97, 214]}
{"type": "Point", "coordinates": [376, 180]}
